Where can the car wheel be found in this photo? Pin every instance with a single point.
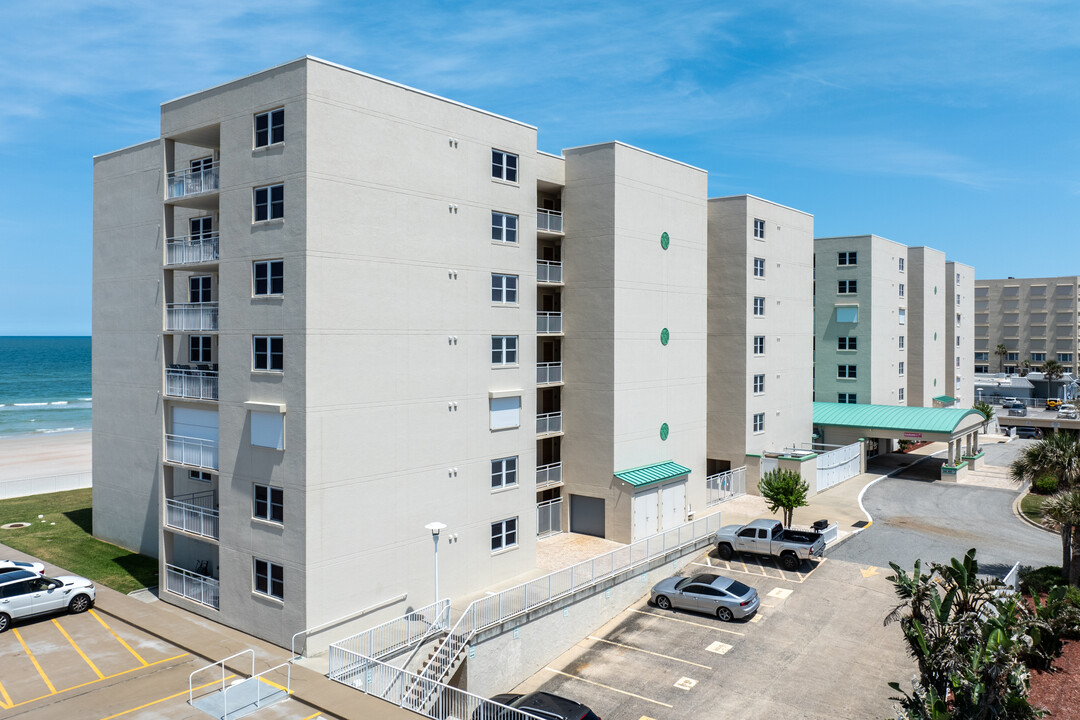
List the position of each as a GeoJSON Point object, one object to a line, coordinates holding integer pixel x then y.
{"type": "Point", "coordinates": [725, 551]}
{"type": "Point", "coordinates": [79, 603]}
{"type": "Point", "coordinates": [789, 561]}
{"type": "Point", "coordinates": [724, 614]}
{"type": "Point", "coordinates": [5, 622]}
{"type": "Point", "coordinates": [662, 602]}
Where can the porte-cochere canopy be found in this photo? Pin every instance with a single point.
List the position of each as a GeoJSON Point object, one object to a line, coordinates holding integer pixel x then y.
{"type": "Point", "coordinates": [899, 421]}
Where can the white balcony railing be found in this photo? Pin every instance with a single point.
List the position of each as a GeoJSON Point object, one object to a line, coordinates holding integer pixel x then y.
{"type": "Point", "coordinates": [548, 271]}
{"type": "Point", "coordinates": [548, 373]}
{"type": "Point", "coordinates": [548, 323]}
{"type": "Point", "coordinates": [193, 586]}
{"type": "Point", "coordinates": [549, 220]}
{"type": "Point", "coordinates": [191, 316]}
{"type": "Point", "coordinates": [182, 183]}
{"type": "Point", "coordinates": [193, 513]}
{"type": "Point", "coordinates": [548, 475]}
{"type": "Point", "coordinates": [191, 383]}
{"type": "Point", "coordinates": [195, 452]}
{"type": "Point", "coordinates": [549, 423]}
{"type": "Point", "coordinates": [187, 250]}
{"type": "Point", "coordinates": [549, 517]}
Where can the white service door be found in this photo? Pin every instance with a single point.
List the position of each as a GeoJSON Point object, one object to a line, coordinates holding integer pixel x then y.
{"type": "Point", "coordinates": [646, 514]}
{"type": "Point", "coordinates": [674, 503]}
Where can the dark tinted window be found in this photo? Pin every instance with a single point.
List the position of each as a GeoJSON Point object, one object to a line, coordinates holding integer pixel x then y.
{"type": "Point", "coordinates": [749, 533]}
{"type": "Point", "coordinates": [682, 583]}
{"type": "Point", "coordinates": [15, 589]}
{"type": "Point", "coordinates": [738, 589]}
{"type": "Point", "coordinates": [706, 590]}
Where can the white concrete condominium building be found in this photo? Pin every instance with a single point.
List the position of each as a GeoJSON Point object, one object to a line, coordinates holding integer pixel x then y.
{"type": "Point", "coordinates": [1032, 319]}
{"type": "Point", "coordinates": [330, 309]}
{"type": "Point", "coordinates": [890, 322]}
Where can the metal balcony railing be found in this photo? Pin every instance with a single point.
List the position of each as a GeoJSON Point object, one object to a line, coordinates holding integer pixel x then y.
{"type": "Point", "coordinates": [195, 452]}
{"type": "Point", "coordinates": [193, 586]}
{"type": "Point", "coordinates": [182, 183]}
{"type": "Point", "coordinates": [193, 513]}
{"type": "Point", "coordinates": [549, 517]}
{"type": "Point", "coordinates": [549, 423]}
{"type": "Point", "coordinates": [548, 475]}
{"type": "Point", "coordinates": [548, 322]}
{"type": "Point", "coordinates": [549, 220]}
{"type": "Point", "coordinates": [191, 316]}
{"type": "Point", "coordinates": [548, 271]}
{"type": "Point", "coordinates": [191, 383]}
{"type": "Point", "coordinates": [187, 250]}
{"type": "Point", "coordinates": [548, 373]}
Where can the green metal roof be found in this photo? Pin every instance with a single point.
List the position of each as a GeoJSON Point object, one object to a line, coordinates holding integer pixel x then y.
{"type": "Point", "coordinates": [648, 474]}
{"type": "Point", "coordinates": [945, 399]}
{"type": "Point", "coordinates": [892, 417]}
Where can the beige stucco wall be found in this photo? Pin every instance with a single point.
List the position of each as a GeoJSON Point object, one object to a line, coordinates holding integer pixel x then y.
{"type": "Point", "coordinates": [927, 338]}
{"type": "Point", "coordinates": [960, 357]}
{"type": "Point", "coordinates": [1027, 315]}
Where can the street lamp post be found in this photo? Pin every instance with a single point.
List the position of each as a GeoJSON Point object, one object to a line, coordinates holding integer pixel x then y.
{"type": "Point", "coordinates": [436, 528]}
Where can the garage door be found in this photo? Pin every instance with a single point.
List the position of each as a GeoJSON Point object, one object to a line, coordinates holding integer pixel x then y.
{"type": "Point", "coordinates": [646, 513]}
{"type": "Point", "coordinates": [587, 515]}
{"type": "Point", "coordinates": [673, 502]}
{"type": "Point", "coordinates": [193, 423]}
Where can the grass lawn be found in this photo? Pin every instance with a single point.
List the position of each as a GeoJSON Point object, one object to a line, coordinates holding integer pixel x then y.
{"type": "Point", "coordinates": [1030, 505]}
{"type": "Point", "coordinates": [62, 537]}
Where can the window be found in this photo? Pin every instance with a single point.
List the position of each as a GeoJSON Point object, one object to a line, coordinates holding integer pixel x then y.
{"type": "Point", "coordinates": [504, 166]}
{"type": "Point", "coordinates": [759, 306]}
{"type": "Point", "coordinates": [1064, 357]}
{"type": "Point", "coordinates": [201, 228]}
{"type": "Point", "coordinates": [199, 349]}
{"type": "Point", "coordinates": [268, 430]}
{"type": "Point", "coordinates": [1012, 357]}
{"type": "Point", "coordinates": [269, 579]}
{"type": "Point", "coordinates": [268, 503]}
{"type": "Point", "coordinates": [847, 258]}
{"type": "Point", "coordinates": [901, 345]}
{"type": "Point", "coordinates": [982, 357]}
{"type": "Point", "coordinates": [903, 316]}
{"type": "Point", "coordinates": [847, 314]}
{"type": "Point", "coordinates": [901, 367]}
{"type": "Point", "coordinates": [759, 383]}
{"type": "Point", "coordinates": [759, 229]}
{"type": "Point", "coordinates": [503, 227]}
{"type": "Point", "coordinates": [957, 280]}
{"type": "Point", "coordinates": [900, 392]}
{"type": "Point", "coordinates": [268, 353]}
{"type": "Point", "coordinates": [505, 412]}
{"type": "Point", "coordinates": [957, 341]}
{"type": "Point", "coordinates": [901, 264]}
{"type": "Point", "coordinates": [268, 277]}
{"type": "Point", "coordinates": [269, 202]}
{"type": "Point", "coordinates": [199, 288]}
{"type": "Point", "coordinates": [846, 287]}
{"type": "Point", "coordinates": [201, 165]}
{"type": "Point", "coordinates": [504, 349]}
{"type": "Point", "coordinates": [503, 534]}
{"type": "Point", "coordinates": [1038, 357]}
{"type": "Point", "coordinates": [759, 267]}
{"type": "Point", "coordinates": [957, 298]}
{"type": "Point", "coordinates": [504, 288]}
{"type": "Point", "coordinates": [270, 127]}
{"type": "Point", "coordinates": [759, 344]}
{"type": "Point", "coordinates": [504, 472]}
{"type": "Point", "coordinates": [957, 318]}
{"type": "Point", "coordinates": [846, 372]}
{"type": "Point", "coordinates": [847, 343]}
{"type": "Point", "coordinates": [957, 362]}
{"type": "Point", "coordinates": [901, 289]}
{"type": "Point", "coordinates": [1010, 369]}
{"type": "Point", "coordinates": [200, 476]}
{"type": "Point", "coordinates": [982, 368]}
{"type": "Point", "coordinates": [846, 398]}
{"type": "Point", "coordinates": [759, 422]}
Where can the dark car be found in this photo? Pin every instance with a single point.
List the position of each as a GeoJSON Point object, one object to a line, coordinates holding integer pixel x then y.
{"type": "Point", "coordinates": [538, 703]}
{"type": "Point", "coordinates": [1029, 432]}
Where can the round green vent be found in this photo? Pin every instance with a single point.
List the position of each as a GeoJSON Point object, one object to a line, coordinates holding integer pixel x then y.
{"type": "Point", "coordinates": [935, 336]}
{"type": "Point", "coordinates": [665, 241]}
{"type": "Point", "coordinates": [664, 336]}
{"type": "Point", "coordinates": [935, 382]}
{"type": "Point", "coordinates": [935, 289]}
{"type": "Point", "coordinates": [663, 431]}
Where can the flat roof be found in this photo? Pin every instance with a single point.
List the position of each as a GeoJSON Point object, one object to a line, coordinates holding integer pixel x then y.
{"type": "Point", "coordinates": [649, 474]}
{"type": "Point", "coordinates": [892, 417]}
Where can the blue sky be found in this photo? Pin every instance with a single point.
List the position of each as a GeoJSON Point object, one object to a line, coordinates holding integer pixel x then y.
{"type": "Point", "coordinates": [948, 123]}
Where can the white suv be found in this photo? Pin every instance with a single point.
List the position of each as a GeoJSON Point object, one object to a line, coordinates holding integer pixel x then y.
{"type": "Point", "coordinates": [24, 593]}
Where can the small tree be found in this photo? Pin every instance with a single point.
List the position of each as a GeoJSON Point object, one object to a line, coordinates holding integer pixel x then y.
{"type": "Point", "coordinates": [1001, 351]}
{"type": "Point", "coordinates": [784, 490]}
{"type": "Point", "coordinates": [987, 411]}
{"type": "Point", "coordinates": [1062, 511]}
{"type": "Point", "coordinates": [1052, 370]}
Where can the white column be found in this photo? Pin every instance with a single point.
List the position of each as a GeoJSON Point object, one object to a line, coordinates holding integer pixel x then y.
{"type": "Point", "coordinates": [950, 461]}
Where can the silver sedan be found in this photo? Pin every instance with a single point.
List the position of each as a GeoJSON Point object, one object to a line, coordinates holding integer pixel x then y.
{"type": "Point", "coordinates": [714, 594]}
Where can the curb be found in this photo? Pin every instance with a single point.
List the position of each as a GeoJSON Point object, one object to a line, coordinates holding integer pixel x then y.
{"type": "Point", "coordinates": [1024, 518]}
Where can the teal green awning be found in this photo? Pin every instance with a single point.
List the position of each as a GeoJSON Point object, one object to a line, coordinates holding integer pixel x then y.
{"type": "Point", "coordinates": [945, 399]}
{"type": "Point", "coordinates": [892, 417]}
{"type": "Point", "coordinates": [649, 474]}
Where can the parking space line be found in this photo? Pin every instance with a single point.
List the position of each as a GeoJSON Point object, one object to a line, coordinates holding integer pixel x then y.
{"type": "Point", "coordinates": [6, 704]}
{"type": "Point", "coordinates": [78, 649]}
{"type": "Point", "coordinates": [129, 648]}
{"type": "Point", "coordinates": [52, 690]}
{"type": "Point", "coordinates": [309, 717]}
{"type": "Point", "coordinates": [606, 687]}
{"type": "Point", "coordinates": [711, 627]}
{"type": "Point", "coordinates": [648, 652]}
{"type": "Point", "coordinates": [170, 697]}
{"type": "Point", "coordinates": [107, 677]}
{"type": "Point", "coordinates": [271, 683]}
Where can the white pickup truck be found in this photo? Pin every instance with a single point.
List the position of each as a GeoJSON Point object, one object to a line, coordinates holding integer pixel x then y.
{"type": "Point", "coordinates": [768, 537]}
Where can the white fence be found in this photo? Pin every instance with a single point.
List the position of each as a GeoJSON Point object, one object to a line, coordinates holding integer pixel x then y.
{"type": "Point", "coordinates": [191, 383]}
{"type": "Point", "coordinates": [548, 373]}
{"type": "Point", "coordinates": [547, 475]}
{"type": "Point", "coordinates": [191, 316]}
{"type": "Point", "coordinates": [836, 466]}
{"type": "Point", "coordinates": [193, 586]}
{"type": "Point", "coordinates": [550, 220]}
{"type": "Point", "coordinates": [547, 423]}
{"type": "Point", "coordinates": [21, 487]}
{"type": "Point", "coordinates": [192, 182]}
{"type": "Point", "coordinates": [549, 517]}
{"type": "Point", "coordinates": [195, 452]}
{"type": "Point", "coordinates": [193, 513]}
{"type": "Point", "coordinates": [186, 249]}
{"type": "Point", "coordinates": [1012, 579]}
{"type": "Point", "coordinates": [549, 271]}
{"type": "Point", "coordinates": [724, 486]}
{"type": "Point", "coordinates": [548, 322]}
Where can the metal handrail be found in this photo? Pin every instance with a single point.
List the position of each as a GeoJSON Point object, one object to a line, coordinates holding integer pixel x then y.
{"type": "Point", "coordinates": [549, 220]}
{"type": "Point", "coordinates": [369, 608]}
{"type": "Point", "coordinates": [222, 664]}
{"type": "Point", "coordinates": [259, 684]}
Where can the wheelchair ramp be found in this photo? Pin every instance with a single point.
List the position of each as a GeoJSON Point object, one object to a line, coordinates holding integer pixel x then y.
{"type": "Point", "coordinates": [241, 698]}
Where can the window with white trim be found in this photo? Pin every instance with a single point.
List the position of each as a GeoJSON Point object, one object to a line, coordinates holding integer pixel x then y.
{"type": "Point", "coordinates": [759, 422]}
{"type": "Point", "coordinates": [199, 348]}
{"type": "Point", "coordinates": [270, 127]}
{"type": "Point", "coordinates": [269, 578]}
{"type": "Point", "coordinates": [759, 306]}
{"type": "Point", "coordinates": [759, 229]}
{"type": "Point", "coordinates": [847, 343]}
{"type": "Point", "coordinates": [902, 316]}
{"type": "Point", "coordinates": [504, 349]}
{"type": "Point", "coordinates": [759, 344]}
{"type": "Point", "coordinates": [504, 534]}
{"type": "Point", "coordinates": [268, 503]}
{"type": "Point", "coordinates": [1064, 357]}
{"type": "Point", "coordinates": [503, 227]}
{"type": "Point", "coordinates": [901, 344]}
{"type": "Point", "coordinates": [982, 368]}
{"type": "Point", "coordinates": [759, 267]}
{"type": "Point", "coordinates": [200, 476]}
{"type": "Point", "coordinates": [1038, 357]}
{"type": "Point", "coordinates": [846, 372]}
{"type": "Point", "coordinates": [847, 258]}
{"type": "Point", "coordinates": [504, 166]}
{"type": "Point", "coordinates": [982, 357]}
{"type": "Point", "coordinates": [901, 289]}
{"type": "Point", "coordinates": [901, 367]}
{"type": "Point", "coordinates": [504, 472]}
{"type": "Point", "coordinates": [1012, 357]}
{"type": "Point", "coordinates": [269, 202]}
{"type": "Point", "coordinates": [268, 353]}
{"type": "Point", "coordinates": [846, 287]}
{"type": "Point", "coordinates": [901, 264]}
{"type": "Point", "coordinates": [199, 288]}
{"type": "Point", "coordinates": [900, 392]}
{"type": "Point", "coordinates": [504, 288]}
{"type": "Point", "coordinates": [845, 398]}
{"type": "Point", "coordinates": [759, 383]}
{"type": "Point", "coordinates": [268, 277]}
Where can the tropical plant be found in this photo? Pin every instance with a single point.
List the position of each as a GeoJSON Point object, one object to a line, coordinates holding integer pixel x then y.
{"type": "Point", "coordinates": [1057, 454]}
{"type": "Point", "coordinates": [1025, 368]}
{"type": "Point", "coordinates": [1001, 351]}
{"type": "Point", "coordinates": [1053, 620]}
{"type": "Point", "coordinates": [1044, 485]}
{"type": "Point", "coordinates": [1062, 512]}
{"type": "Point", "coordinates": [784, 490]}
{"type": "Point", "coordinates": [1052, 370]}
{"type": "Point", "coordinates": [987, 411]}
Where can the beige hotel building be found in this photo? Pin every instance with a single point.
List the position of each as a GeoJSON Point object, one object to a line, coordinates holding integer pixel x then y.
{"type": "Point", "coordinates": [1036, 319]}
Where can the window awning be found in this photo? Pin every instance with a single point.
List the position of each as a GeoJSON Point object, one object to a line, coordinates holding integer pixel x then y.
{"type": "Point", "coordinates": [945, 399]}
{"type": "Point", "coordinates": [649, 474]}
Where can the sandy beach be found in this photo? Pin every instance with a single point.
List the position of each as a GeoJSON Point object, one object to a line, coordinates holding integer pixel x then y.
{"type": "Point", "coordinates": [44, 456]}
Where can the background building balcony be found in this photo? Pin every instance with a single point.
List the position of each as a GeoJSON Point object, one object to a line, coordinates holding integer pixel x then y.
{"type": "Point", "coordinates": [184, 317]}
{"type": "Point", "coordinates": [184, 183]}
{"type": "Point", "coordinates": [189, 250]}
{"type": "Point", "coordinates": [193, 452]}
{"type": "Point", "coordinates": [549, 423]}
{"type": "Point", "coordinates": [193, 513]}
{"type": "Point", "coordinates": [548, 271]}
{"type": "Point", "coordinates": [548, 475]}
{"type": "Point", "coordinates": [548, 220]}
{"type": "Point", "coordinates": [548, 323]}
{"type": "Point", "coordinates": [549, 373]}
{"type": "Point", "coordinates": [187, 382]}
{"type": "Point", "coordinates": [193, 586]}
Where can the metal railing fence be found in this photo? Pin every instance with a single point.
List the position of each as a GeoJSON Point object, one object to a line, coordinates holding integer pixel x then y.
{"type": "Point", "coordinates": [193, 513]}
{"type": "Point", "coordinates": [548, 322]}
{"type": "Point", "coordinates": [549, 271]}
{"type": "Point", "coordinates": [550, 474]}
{"type": "Point", "coordinates": [548, 423]}
{"type": "Point", "coordinates": [548, 373]}
{"type": "Point", "coordinates": [549, 517]}
{"type": "Point", "coordinates": [191, 383]}
{"type": "Point", "coordinates": [181, 183]}
{"type": "Point", "coordinates": [191, 316]}
{"type": "Point", "coordinates": [195, 452]}
{"type": "Point", "coordinates": [398, 634]}
{"type": "Point", "coordinates": [549, 220]}
{"type": "Point", "coordinates": [725, 486]}
{"type": "Point", "coordinates": [193, 586]}
{"type": "Point", "coordinates": [185, 250]}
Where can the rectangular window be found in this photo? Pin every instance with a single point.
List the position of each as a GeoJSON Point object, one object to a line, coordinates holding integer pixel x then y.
{"type": "Point", "coordinates": [503, 534]}
{"type": "Point", "coordinates": [957, 318]}
{"type": "Point", "coordinates": [759, 344]}
{"type": "Point", "coordinates": [504, 349]}
{"type": "Point", "coordinates": [503, 227]}
{"type": "Point", "coordinates": [848, 314]}
{"type": "Point", "coordinates": [504, 165]}
{"type": "Point", "coordinates": [847, 287]}
{"type": "Point", "coordinates": [957, 362]}
{"type": "Point", "coordinates": [759, 306]}
{"type": "Point", "coordinates": [900, 392]}
{"type": "Point", "coordinates": [504, 288]}
{"type": "Point", "coordinates": [901, 366]}
{"type": "Point", "coordinates": [903, 316]}
{"type": "Point", "coordinates": [1012, 357]}
{"type": "Point", "coordinates": [199, 349]}
{"type": "Point", "coordinates": [199, 288]}
{"type": "Point", "coordinates": [268, 353]}
{"type": "Point", "coordinates": [269, 202]}
{"type": "Point", "coordinates": [1064, 357]}
{"type": "Point", "coordinates": [846, 398]}
{"type": "Point", "coordinates": [268, 503]}
{"type": "Point", "coordinates": [982, 357]}
{"type": "Point", "coordinates": [270, 127]}
{"type": "Point", "coordinates": [759, 229]}
{"type": "Point", "coordinates": [957, 298]}
{"type": "Point", "coordinates": [268, 277]}
{"type": "Point", "coordinates": [957, 341]}
{"type": "Point", "coordinates": [201, 165]}
{"type": "Point", "coordinates": [505, 413]}
{"type": "Point", "coordinates": [982, 368]}
{"type": "Point", "coordinates": [201, 228]}
{"type": "Point", "coordinates": [847, 258]}
{"type": "Point", "coordinates": [759, 267]}
{"type": "Point", "coordinates": [901, 345]}
{"type": "Point", "coordinates": [1037, 357]}
{"type": "Point", "coordinates": [268, 430]}
{"type": "Point", "coordinates": [901, 270]}
{"type": "Point", "coordinates": [759, 422]}
{"type": "Point", "coordinates": [200, 476]}
{"type": "Point", "coordinates": [759, 383]}
{"type": "Point", "coordinates": [269, 579]}
{"type": "Point", "coordinates": [847, 343]}
{"type": "Point", "coordinates": [901, 289]}
{"type": "Point", "coordinates": [1010, 369]}
{"type": "Point", "coordinates": [503, 472]}
{"type": "Point", "coordinates": [846, 372]}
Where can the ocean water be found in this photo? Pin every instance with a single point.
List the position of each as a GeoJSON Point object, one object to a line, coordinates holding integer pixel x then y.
{"type": "Point", "coordinates": [44, 385]}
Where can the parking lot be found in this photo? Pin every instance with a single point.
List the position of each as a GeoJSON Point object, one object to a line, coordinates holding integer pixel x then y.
{"type": "Point", "coordinates": [817, 648]}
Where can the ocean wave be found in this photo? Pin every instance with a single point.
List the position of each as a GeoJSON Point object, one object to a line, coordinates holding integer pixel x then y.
{"type": "Point", "coordinates": [49, 431]}
{"type": "Point", "coordinates": [59, 402]}
{"type": "Point", "coordinates": [85, 399]}
{"type": "Point", "coordinates": [29, 404]}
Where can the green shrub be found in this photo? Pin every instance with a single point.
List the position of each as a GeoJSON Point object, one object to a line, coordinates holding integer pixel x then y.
{"type": "Point", "coordinates": [1040, 580]}
{"type": "Point", "coordinates": [1045, 485]}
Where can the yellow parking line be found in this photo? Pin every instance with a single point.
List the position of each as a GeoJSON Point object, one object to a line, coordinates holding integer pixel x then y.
{"type": "Point", "coordinates": [130, 650]}
{"type": "Point", "coordinates": [107, 677]}
{"type": "Point", "coordinates": [309, 717]}
{"type": "Point", "coordinates": [665, 617]}
{"type": "Point", "coordinates": [647, 652]}
{"type": "Point", "coordinates": [78, 650]}
{"type": "Point", "coordinates": [271, 683]}
{"type": "Point", "coordinates": [607, 687]}
{"type": "Point", "coordinates": [170, 697]}
{"type": "Point", "coordinates": [6, 704]}
{"type": "Point", "coordinates": [52, 690]}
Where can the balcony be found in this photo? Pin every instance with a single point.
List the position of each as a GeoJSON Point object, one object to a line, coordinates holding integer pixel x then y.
{"type": "Point", "coordinates": [549, 518]}
{"type": "Point", "coordinates": [185, 317]}
{"type": "Point", "coordinates": [186, 382]}
{"type": "Point", "coordinates": [548, 475]}
{"type": "Point", "coordinates": [549, 373]}
{"type": "Point", "coordinates": [549, 271]}
{"type": "Point", "coordinates": [193, 452]}
{"type": "Point", "coordinates": [189, 250]}
{"type": "Point", "coordinates": [548, 221]}
{"type": "Point", "coordinates": [193, 586]}
{"type": "Point", "coordinates": [549, 423]}
{"type": "Point", "coordinates": [185, 183]}
{"type": "Point", "coordinates": [193, 513]}
{"type": "Point", "coordinates": [548, 323]}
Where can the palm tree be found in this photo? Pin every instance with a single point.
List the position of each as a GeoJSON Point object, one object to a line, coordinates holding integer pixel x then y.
{"type": "Point", "coordinates": [1001, 351]}
{"type": "Point", "coordinates": [1057, 454]}
{"type": "Point", "coordinates": [1062, 511]}
{"type": "Point", "coordinates": [1052, 370]}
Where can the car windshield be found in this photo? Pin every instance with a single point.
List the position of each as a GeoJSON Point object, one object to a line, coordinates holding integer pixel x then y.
{"type": "Point", "coordinates": [683, 583]}
{"type": "Point", "coordinates": [737, 589]}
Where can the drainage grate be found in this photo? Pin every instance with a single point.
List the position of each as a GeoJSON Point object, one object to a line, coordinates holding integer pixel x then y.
{"type": "Point", "coordinates": [860, 524]}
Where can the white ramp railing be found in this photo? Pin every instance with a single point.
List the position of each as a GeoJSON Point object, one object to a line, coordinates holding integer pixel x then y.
{"type": "Point", "coordinates": [838, 465]}
{"type": "Point", "coordinates": [725, 486]}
